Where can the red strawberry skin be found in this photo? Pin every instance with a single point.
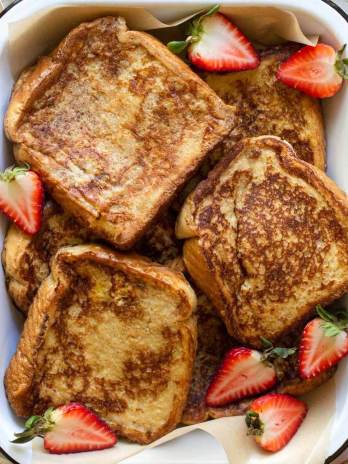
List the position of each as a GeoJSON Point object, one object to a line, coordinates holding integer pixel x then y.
{"type": "Point", "coordinates": [241, 374]}
{"type": "Point", "coordinates": [21, 200]}
{"type": "Point", "coordinates": [312, 71]}
{"type": "Point", "coordinates": [77, 429]}
{"type": "Point", "coordinates": [318, 352]}
{"type": "Point", "coordinates": [222, 47]}
{"type": "Point", "coordinates": [281, 415]}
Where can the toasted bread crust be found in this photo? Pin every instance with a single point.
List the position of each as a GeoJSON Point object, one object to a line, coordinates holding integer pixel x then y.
{"type": "Point", "coordinates": [172, 116]}
{"type": "Point", "coordinates": [29, 377]}
{"type": "Point", "coordinates": [256, 301]}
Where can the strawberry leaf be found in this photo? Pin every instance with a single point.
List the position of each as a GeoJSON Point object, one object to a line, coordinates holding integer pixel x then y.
{"type": "Point", "coordinates": [254, 423]}
{"type": "Point", "coordinates": [272, 352]}
{"type": "Point", "coordinates": [13, 171]}
{"type": "Point", "coordinates": [22, 439]}
{"type": "Point", "coordinates": [266, 343]}
{"type": "Point", "coordinates": [341, 64]}
{"type": "Point", "coordinates": [31, 422]}
{"type": "Point", "coordinates": [214, 9]}
{"type": "Point", "coordinates": [35, 426]}
{"type": "Point", "coordinates": [325, 315]}
{"type": "Point", "coordinates": [333, 322]}
{"type": "Point", "coordinates": [177, 46]}
{"type": "Point", "coordinates": [194, 31]}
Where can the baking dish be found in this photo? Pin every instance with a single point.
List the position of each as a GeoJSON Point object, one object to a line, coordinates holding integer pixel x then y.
{"type": "Point", "coordinates": [314, 17]}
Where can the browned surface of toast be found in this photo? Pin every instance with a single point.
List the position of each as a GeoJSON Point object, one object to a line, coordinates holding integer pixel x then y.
{"type": "Point", "coordinates": [266, 239]}
{"type": "Point", "coordinates": [112, 331]}
{"type": "Point", "coordinates": [114, 124]}
{"type": "Point", "coordinates": [265, 106]}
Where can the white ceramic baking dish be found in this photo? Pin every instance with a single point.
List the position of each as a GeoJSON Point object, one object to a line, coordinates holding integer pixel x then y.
{"type": "Point", "coordinates": [315, 17]}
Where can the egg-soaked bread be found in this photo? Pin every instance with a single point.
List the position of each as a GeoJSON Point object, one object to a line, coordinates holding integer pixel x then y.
{"type": "Point", "coordinates": [266, 239]}
{"type": "Point", "coordinates": [114, 124]}
{"type": "Point", "coordinates": [266, 106]}
{"type": "Point", "coordinates": [114, 332]}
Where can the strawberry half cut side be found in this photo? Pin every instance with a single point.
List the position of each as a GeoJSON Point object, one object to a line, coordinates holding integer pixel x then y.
{"type": "Point", "coordinates": [274, 419]}
{"type": "Point", "coordinates": [243, 373]}
{"type": "Point", "coordinates": [72, 428]}
{"type": "Point", "coordinates": [317, 71]}
{"type": "Point", "coordinates": [21, 198]}
{"type": "Point", "coordinates": [324, 343]}
{"type": "Point", "coordinates": [215, 44]}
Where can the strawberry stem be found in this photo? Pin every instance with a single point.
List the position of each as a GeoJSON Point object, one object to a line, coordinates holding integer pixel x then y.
{"type": "Point", "coordinates": [254, 423]}
{"type": "Point", "coordinates": [35, 426]}
{"type": "Point", "coordinates": [13, 171]}
{"type": "Point", "coordinates": [341, 64]}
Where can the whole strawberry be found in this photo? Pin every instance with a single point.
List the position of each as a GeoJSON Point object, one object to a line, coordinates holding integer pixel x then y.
{"type": "Point", "coordinates": [215, 44]}
{"type": "Point", "coordinates": [72, 428]}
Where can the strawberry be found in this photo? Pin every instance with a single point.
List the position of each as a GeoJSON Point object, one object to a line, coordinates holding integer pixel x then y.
{"type": "Point", "coordinates": [21, 197]}
{"type": "Point", "coordinates": [324, 343]}
{"type": "Point", "coordinates": [243, 373]}
{"type": "Point", "coordinates": [68, 429]}
{"type": "Point", "coordinates": [317, 71]}
{"type": "Point", "coordinates": [215, 44]}
{"type": "Point", "coordinates": [274, 419]}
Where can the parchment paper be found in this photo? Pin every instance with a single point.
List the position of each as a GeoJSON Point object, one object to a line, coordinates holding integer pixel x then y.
{"type": "Point", "coordinates": [34, 36]}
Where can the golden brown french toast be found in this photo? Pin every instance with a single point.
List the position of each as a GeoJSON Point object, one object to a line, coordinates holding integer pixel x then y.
{"type": "Point", "coordinates": [114, 332]}
{"type": "Point", "coordinates": [114, 124]}
{"type": "Point", "coordinates": [266, 239]}
{"type": "Point", "coordinates": [264, 106]}
{"type": "Point", "coordinates": [26, 258]}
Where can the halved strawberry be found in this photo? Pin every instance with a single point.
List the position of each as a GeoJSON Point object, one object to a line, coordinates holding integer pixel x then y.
{"type": "Point", "coordinates": [215, 44]}
{"type": "Point", "coordinates": [324, 343]}
{"type": "Point", "coordinates": [274, 419]}
{"type": "Point", "coordinates": [243, 373]}
{"type": "Point", "coordinates": [72, 428]}
{"type": "Point", "coordinates": [317, 71]}
{"type": "Point", "coordinates": [21, 197]}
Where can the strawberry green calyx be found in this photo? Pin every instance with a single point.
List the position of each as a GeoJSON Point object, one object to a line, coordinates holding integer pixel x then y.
{"type": "Point", "coordinates": [333, 323]}
{"type": "Point", "coordinates": [254, 423]}
{"type": "Point", "coordinates": [12, 172]}
{"type": "Point", "coordinates": [195, 30]}
{"type": "Point", "coordinates": [341, 64]}
{"type": "Point", "coordinates": [36, 426]}
{"type": "Point", "coordinates": [273, 352]}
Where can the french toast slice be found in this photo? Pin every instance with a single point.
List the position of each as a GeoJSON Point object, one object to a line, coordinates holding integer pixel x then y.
{"type": "Point", "coordinates": [265, 106]}
{"type": "Point", "coordinates": [266, 239]}
{"type": "Point", "coordinates": [114, 124]}
{"type": "Point", "coordinates": [26, 258]}
{"type": "Point", "coordinates": [114, 332]}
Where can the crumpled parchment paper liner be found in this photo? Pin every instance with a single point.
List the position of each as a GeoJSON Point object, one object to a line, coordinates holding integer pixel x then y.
{"type": "Point", "coordinates": [309, 445]}
{"type": "Point", "coordinates": [36, 35]}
